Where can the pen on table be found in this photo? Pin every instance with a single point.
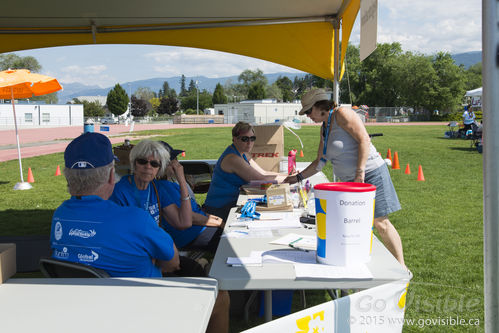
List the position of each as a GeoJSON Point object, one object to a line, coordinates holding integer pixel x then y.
{"type": "Point", "coordinates": [296, 240]}
{"type": "Point", "coordinates": [297, 248]}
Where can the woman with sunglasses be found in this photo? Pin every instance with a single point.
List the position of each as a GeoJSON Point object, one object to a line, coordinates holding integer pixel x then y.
{"type": "Point", "coordinates": [235, 168]}
{"type": "Point", "coordinates": [148, 160]}
{"type": "Point", "coordinates": [345, 142]}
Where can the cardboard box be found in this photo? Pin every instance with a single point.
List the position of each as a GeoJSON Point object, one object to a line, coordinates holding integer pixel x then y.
{"type": "Point", "coordinates": [278, 196]}
{"type": "Point", "coordinates": [269, 146]}
{"type": "Point", "coordinates": [7, 261]}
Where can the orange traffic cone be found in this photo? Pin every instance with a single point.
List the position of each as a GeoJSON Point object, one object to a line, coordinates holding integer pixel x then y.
{"type": "Point", "coordinates": [183, 154]}
{"type": "Point", "coordinates": [31, 179]}
{"type": "Point", "coordinates": [301, 153]}
{"type": "Point", "coordinates": [395, 164]}
{"type": "Point", "coordinates": [407, 169]}
{"type": "Point", "coordinates": [420, 174]}
{"type": "Point", "coordinates": [389, 154]}
{"type": "Point", "coordinates": [58, 171]}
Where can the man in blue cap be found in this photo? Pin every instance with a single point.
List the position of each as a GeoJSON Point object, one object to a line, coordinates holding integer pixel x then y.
{"type": "Point", "coordinates": [123, 241]}
{"type": "Point", "coordinates": [91, 230]}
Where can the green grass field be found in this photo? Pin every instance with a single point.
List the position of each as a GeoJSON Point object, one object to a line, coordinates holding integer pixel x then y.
{"type": "Point", "coordinates": [440, 222]}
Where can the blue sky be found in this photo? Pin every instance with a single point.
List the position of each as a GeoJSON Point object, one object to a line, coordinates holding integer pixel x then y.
{"type": "Point", "coordinates": [424, 26]}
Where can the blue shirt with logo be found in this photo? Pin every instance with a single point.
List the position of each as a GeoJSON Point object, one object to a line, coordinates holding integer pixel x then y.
{"type": "Point", "coordinates": [120, 240]}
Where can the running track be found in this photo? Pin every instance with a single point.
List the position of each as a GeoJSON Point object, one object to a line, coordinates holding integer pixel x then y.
{"type": "Point", "coordinates": [42, 141]}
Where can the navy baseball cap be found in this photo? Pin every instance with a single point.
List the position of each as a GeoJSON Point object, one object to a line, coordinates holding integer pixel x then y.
{"type": "Point", "coordinates": [173, 152]}
{"type": "Point", "coordinates": [88, 151]}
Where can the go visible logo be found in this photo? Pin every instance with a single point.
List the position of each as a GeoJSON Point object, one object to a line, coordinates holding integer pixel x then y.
{"type": "Point", "coordinates": [314, 322]}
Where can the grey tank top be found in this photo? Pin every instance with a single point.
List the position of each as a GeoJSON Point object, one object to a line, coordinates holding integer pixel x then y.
{"type": "Point", "coordinates": [342, 152]}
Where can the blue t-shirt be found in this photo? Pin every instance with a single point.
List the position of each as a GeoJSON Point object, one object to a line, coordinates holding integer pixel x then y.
{"type": "Point", "coordinates": [120, 240]}
{"type": "Point", "coordinates": [126, 194]}
{"type": "Point", "coordinates": [224, 186]}
{"type": "Point", "coordinates": [181, 237]}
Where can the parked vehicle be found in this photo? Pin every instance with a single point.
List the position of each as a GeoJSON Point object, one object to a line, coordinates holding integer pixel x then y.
{"type": "Point", "coordinates": [108, 121]}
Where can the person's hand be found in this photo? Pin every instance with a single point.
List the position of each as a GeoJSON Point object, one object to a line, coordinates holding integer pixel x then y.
{"type": "Point", "coordinates": [291, 179]}
{"type": "Point", "coordinates": [359, 176]}
{"type": "Point", "coordinates": [178, 169]}
{"type": "Point", "coordinates": [215, 221]}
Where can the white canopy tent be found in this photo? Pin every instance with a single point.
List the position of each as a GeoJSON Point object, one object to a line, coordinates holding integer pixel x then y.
{"type": "Point", "coordinates": [474, 93]}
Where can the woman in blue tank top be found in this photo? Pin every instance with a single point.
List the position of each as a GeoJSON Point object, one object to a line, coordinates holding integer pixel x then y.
{"type": "Point", "coordinates": [346, 144]}
{"type": "Point", "coordinates": [235, 168]}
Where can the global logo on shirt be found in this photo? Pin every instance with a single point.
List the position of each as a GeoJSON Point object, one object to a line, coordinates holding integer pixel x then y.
{"type": "Point", "coordinates": [58, 230]}
{"type": "Point", "coordinates": [82, 233]}
{"type": "Point", "coordinates": [61, 254]}
{"type": "Point", "coordinates": [88, 257]}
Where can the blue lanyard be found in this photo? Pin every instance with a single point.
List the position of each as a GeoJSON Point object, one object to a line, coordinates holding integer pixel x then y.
{"type": "Point", "coordinates": [326, 136]}
{"type": "Point", "coordinates": [136, 194]}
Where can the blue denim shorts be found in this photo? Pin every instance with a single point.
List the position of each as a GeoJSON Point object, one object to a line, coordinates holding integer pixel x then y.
{"type": "Point", "coordinates": [386, 198]}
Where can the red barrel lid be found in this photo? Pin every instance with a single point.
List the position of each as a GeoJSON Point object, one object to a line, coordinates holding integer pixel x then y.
{"type": "Point", "coordinates": [345, 187]}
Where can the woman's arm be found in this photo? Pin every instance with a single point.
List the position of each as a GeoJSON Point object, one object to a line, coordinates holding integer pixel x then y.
{"type": "Point", "coordinates": [352, 124]}
{"type": "Point", "coordinates": [185, 211]}
{"type": "Point", "coordinates": [235, 164]}
{"type": "Point", "coordinates": [209, 220]}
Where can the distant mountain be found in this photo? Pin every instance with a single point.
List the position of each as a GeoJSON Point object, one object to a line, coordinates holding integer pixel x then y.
{"type": "Point", "coordinates": [72, 90]}
{"type": "Point", "coordinates": [467, 59]}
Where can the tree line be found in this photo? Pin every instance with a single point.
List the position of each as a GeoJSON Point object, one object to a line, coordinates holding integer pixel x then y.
{"type": "Point", "coordinates": [388, 77]}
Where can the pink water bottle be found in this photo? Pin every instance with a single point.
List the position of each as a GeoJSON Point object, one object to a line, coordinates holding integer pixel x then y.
{"type": "Point", "coordinates": [291, 161]}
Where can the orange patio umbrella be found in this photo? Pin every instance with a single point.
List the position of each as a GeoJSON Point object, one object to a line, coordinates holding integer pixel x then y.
{"type": "Point", "coordinates": [21, 83]}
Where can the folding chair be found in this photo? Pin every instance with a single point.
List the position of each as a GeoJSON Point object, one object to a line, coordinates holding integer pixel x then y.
{"type": "Point", "coordinates": [54, 268]}
{"type": "Point", "coordinates": [198, 175]}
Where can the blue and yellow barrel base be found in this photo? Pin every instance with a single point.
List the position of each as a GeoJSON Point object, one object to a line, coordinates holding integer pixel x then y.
{"type": "Point", "coordinates": [320, 214]}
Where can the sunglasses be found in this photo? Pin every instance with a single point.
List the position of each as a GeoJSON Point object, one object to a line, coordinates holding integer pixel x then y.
{"type": "Point", "coordinates": [247, 138]}
{"type": "Point", "coordinates": [153, 163]}
{"type": "Point", "coordinates": [308, 112]}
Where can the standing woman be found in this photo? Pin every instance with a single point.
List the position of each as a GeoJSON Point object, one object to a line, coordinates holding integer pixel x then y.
{"type": "Point", "coordinates": [235, 168]}
{"type": "Point", "coordinates": [345, 142]}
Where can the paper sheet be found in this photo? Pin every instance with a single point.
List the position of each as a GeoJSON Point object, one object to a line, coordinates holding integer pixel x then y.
{"type": "Point", "coordinates": [306, 242]}
{"type": "Point", "coordinates": [289, 256]}
{"type": "Point", "coordinates": [321, 271]}
{"type": "Point", "coordinates": [270, 220]}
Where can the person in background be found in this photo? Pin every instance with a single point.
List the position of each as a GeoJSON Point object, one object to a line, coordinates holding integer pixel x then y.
{"type": "Point", "coordinates": [468, 118]}
{"type": "Point", "coordinates": [235, 168]}
{"type": "Point", "coordinates": [123, 241]}
{"type": "Point", "coordinates": [206, 229]}
{"type": "Point", "coordinates": [345, 142]}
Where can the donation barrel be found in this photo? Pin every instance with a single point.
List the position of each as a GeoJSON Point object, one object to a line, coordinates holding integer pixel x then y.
{"type": "Point", "coordinates": [344, 216]}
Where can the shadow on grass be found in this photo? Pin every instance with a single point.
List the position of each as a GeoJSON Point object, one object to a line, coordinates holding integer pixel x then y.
{"type": "Point", "coordinates": [464, 149]}
{"type": "Point", "coordinates": [3, 182]}
{"type": "Point", "coordinates": [29, 230]}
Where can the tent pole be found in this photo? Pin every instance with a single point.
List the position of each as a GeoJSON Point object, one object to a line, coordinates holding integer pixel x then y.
{"type": "Point", "coordinates": [490, 105]}
{"type": "Point", "coordinates": [17, 135]}
{"type": "Point", "coordinates": [336, 79]}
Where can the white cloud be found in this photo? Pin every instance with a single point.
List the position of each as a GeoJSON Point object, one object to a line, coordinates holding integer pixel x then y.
{"type": "Point", "coordinates": [431, 26]}
{"type": "Point", "coordinates": [90, 75]}
{"type": "Point", "coordinates": [193, 62]}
